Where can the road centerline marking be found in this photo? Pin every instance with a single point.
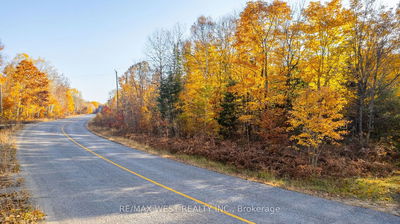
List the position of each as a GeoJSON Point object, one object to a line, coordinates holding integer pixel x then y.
{"type": "Point", "coordinates": [153, 181]}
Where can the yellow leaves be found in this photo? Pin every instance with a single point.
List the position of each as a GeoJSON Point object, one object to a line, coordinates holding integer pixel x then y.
{"type": "Point", "coordinates": [25, 55]}
{"type": "Point", "coordinates": [260, 39]}
{"type": "Point", "coordinates": [246, 118]}
{"type": "Point", "coordinates": [30, 93]}
{"type": "Point", "coordinates": [26, 90]}
{"type": "Point", "coordinates": [208, 65]}
{"type": "Point", "coordinates": [95, 104]}
{"type": "Point", "coordinates": [32, 88]}
{"type": "Point", "coordinates": [280, 67]}
{"type": "Point", "coordinates": [317, 114]}
{"type": "Point", "coordinates": [137, 98]}
{"type": "Point", "coordinates": [70, 100]}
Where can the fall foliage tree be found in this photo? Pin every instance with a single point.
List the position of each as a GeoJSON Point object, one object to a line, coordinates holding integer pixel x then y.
{"type": "Point", "coordinates": [165, 51]}
{"type": "Point", "coordinates": [317, 113]}
{"type": "Point", "coordinates": [206, 56]}
{"type": "Point", "coordinates": [260, 82]}
{"type": "Point", "coordinates": [326, 28]}
{"type": "Point", "coordinates": [32, 89]}
{"type": "Point", "coordinates": [273, 75]}
{"type": "Point", "coordinates": [317, 118]}
{"type": "Point", "coordinates": [373, 62]}
{"type": "Point", "coordinates": [138, 88]}
{"type": "Point", "coordinates": [28, 94]}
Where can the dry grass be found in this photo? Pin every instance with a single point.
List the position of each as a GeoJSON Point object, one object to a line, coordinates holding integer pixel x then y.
{"type": "Point", "coordinates": [8, 151]}
{"type": "Point", "coordinates": [381, 194]}
{"type": "Point", "coordinates": [15, 206]}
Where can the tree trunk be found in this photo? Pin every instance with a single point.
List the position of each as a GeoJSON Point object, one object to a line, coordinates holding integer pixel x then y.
{"type": "Point", "coordinates": [370, 120]}
{"type": "Point", "coordinates": [360, 118]}
{"type": "Point", "coordinates": [18, 109]}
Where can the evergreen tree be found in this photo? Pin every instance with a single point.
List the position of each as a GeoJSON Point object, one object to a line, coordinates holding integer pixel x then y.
{"type": "Point", "coordinates": [168, 96]}
{"type": "Point", "coordinates": [228, 116]}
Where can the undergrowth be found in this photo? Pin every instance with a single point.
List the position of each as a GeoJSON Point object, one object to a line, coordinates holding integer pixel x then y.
{"type": "Point", "coordinates": [15, 205]}
{"type": "Point", "coordinates": [380, 189]}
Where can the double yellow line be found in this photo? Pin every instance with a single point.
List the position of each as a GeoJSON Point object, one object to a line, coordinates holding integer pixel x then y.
{"type": "Point", "coordinates": [155, 182]}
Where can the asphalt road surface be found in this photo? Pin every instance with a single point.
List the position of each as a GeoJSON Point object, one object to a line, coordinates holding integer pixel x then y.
{"type": "Point", "coordinates": [77, 177]}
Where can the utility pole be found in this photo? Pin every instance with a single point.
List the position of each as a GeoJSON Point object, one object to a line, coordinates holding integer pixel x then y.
{"type": "Point", "coordinates": [116, 83]}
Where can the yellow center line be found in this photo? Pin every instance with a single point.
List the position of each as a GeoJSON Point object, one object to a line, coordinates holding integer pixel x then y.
{"type": "Point", "coordinates": [155, 182]}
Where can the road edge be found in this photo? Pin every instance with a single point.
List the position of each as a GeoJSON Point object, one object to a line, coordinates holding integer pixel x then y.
{"type": "Point", "coordinates": [164, 154]}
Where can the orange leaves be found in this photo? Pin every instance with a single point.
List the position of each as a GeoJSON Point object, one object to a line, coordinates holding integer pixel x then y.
{"type": "Point", "coordinates": [70, 94]}
{"type": "Point", "coordinates": [317, 116]}
{"type": "Point", "coordinates": [257, 74]}
{"type": "Point", "coordinates": [137, 97]}
{"type": "Point", "coordinates": [208, 70]}
{"type": "Point", "coordinates": [30, 92]}
{"type": "Point", "coordinates": [326, 28]}
{"type": "Point", "coordinates": [259, 30]}
{"type": "Point", "coordinates": [274, 60]}
{"type": "Point", "coordinates": [260, 60]}
{"type": "Point", "coordinates": [27, 90]}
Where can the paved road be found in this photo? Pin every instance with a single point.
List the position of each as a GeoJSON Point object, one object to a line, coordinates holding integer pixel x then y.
{"type": "Point", "coordinates": [78, 177]}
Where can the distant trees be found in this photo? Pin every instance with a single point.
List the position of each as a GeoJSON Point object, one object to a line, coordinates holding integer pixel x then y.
{"type": "Point", "coordinates": [26, 88]}
{"type": "Point", "coordinates": [31, 88]}
{"type": "Point", "coordinates": [310, 77]}
{"type": "Point", "coordinates": [138, 104]}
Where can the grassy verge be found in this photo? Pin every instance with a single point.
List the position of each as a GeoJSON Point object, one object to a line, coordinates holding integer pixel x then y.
{"type": "Point", "coordinates": [381, 194]}
{"type": "Point", "coordinates": [15, 206]}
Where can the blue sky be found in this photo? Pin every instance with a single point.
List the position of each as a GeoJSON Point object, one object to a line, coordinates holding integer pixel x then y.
{"type": "Point", "coordinates": [86, 39]}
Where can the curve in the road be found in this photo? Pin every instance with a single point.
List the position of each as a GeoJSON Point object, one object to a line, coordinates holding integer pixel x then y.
{"type": "Point", "coordinates": [91, 186]}
{"type": "Point", "coordinates": [155, 182]}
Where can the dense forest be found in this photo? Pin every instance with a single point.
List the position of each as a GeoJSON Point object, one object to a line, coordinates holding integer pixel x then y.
{"type": "Point", "coordinates": [295, 90]}
{"type": "Point", "coordinates": [34, 89]}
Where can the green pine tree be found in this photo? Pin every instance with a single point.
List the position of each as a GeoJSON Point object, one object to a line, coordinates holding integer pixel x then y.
{"type": "Point", "coordinates": [228, 116]}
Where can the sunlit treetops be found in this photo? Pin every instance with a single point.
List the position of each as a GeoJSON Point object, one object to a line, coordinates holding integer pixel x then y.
{"type": "Point", "coordinates": [32, 88]}
{"type": "Point", "coordinates": [276, 74]}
